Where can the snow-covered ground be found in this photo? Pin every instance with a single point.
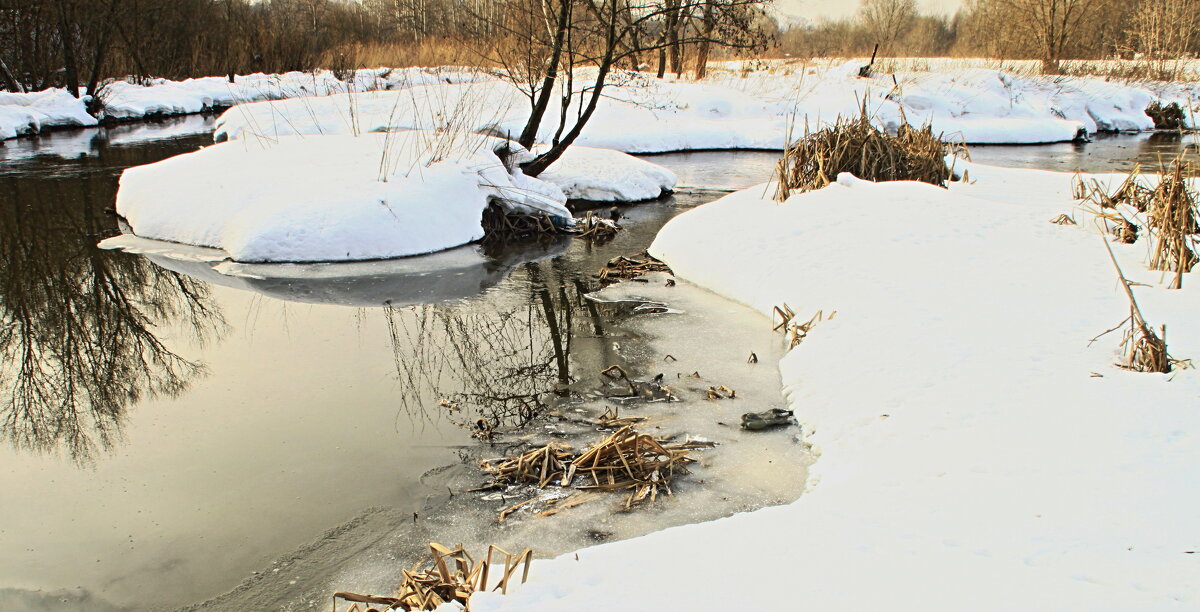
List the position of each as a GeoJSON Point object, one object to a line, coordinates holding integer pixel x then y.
{"type": "Point", "coordinates": [748, 105]}
{"type": "Point", "coordinates": [372, 196]}
{"type": "Point", "coordinates": [33, 112]}
{"type": "Point", "coordinates": [747, 109]}
{"type": "Point", "coordinates": [976, 450]}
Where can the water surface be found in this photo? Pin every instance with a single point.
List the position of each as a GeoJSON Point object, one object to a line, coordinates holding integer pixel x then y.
{"type": "Point", "coordinates": [173, 433]}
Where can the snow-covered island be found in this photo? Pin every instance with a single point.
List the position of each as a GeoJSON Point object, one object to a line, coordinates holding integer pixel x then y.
{"type": "Point", "coordinates": [371, 196]}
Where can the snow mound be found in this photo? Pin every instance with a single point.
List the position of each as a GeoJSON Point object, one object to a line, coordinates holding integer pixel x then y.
{"type": "Point", "coordinates": [604, 175]}
{"type": "Point", "coordinates": [31, 113]}
{"type": "Point", "coordinates": [975, 450]}
{"type": "Point", "coordinates": [328, 198]}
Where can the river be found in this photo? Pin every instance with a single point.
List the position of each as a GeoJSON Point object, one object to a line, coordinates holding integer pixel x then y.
{"type": "Point", "coordinates": [175, 436]}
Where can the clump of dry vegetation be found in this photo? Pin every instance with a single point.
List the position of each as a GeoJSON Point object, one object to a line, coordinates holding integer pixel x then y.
{"type": "Point", "coordinates": [857, 146]}
{"type": "Point", "coordinates": [448, 575]}
{"type": "Point", "coordinates": [1166, 116]}
{"type": "Point", "coordinates": [1142, 348]}
{"type": "Point", "coordinates": [1171, 213]}
{"type": "Point", "coordinates": [628, 268]}
{"type": "Point", "coordinates": [1173, 219]}
{"type": "Point", "coordinates": [627, 460]}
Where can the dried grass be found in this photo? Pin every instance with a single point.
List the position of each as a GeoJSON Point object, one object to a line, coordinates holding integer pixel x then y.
{"type": "Point", "coordinates": [626, 460]}
{"type": "Point", "coordinates": [629, 268]}
{"type": "Point", "coordinates": [1166, 116]}
{"type": "Point", "coordinates": [857, 146]}
{"type": "Point", "coordinates": [448, 575]}
{"type": "Point", "coordinates": [1171, 209]}
{"type": "Point", "coordinates": [1142, 349]}
{"type": "Point", "coordinates": [429, 52]}
{"type": "Point", "coordinates": [596, 229]}
{"type": "Point", "coordinates": [1173, 220]}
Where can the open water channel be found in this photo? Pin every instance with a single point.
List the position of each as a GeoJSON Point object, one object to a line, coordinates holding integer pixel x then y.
{"type": "Point", "coordinates": [175, 436]}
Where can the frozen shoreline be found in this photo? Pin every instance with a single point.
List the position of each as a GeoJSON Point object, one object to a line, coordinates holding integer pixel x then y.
{"type": "Point", "coordinates": [970, 458]}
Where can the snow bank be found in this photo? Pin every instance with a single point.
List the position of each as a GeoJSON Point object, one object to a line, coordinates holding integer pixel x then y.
{"type": "Point", "coordinates": [375, 196]}
{"type": "Point", "coordinates": [328, 198]}
{"type": "Point", "coordinates": [31, 113]}
{"type": "Point", "coordinates": [604, 175]}
{"type": "Point", "coordinates": [749, 110]}
{"type": "Point", "coordinates": [975, 451]}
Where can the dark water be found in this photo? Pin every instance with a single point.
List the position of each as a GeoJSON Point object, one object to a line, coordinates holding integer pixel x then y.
{"type": "Point", "coordinates": [169, 430]}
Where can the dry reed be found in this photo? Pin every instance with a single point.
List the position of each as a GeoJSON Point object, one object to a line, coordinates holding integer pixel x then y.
{"type": "Point", "coordinates": [626, 460]}
{"type": "Point", "coordinates": [1173, 219]}
{"type": "Point", "coordinates": [628, 268]}
{"type": "Point", "coordinates": [1166, 116]}
{"type": "Point", "coordinates": [448, 576]}
{"type": "Point", "coordinates": [857, 146]}
{"type": "Point", "coordinates": [1143, 350]}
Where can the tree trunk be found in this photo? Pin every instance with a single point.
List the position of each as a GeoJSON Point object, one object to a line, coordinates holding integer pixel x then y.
{"type": "Point", "coordinates": [529, 134]}
{"type": "Point", "coordinates": [705, 40]}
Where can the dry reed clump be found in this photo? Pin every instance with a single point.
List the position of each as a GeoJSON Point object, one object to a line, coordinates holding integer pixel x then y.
{"type": "Point", "coordinates": [595, 228]}
{"type": "Point", "coordinates": [628, 268]}
{"type": "Point", "coordinates": [1173, 220]}
{"type": "Point", "coordinates": [1131, 192]}
{"type": "Point", "coordinates": [448, 575]}
{"type": "Point", "coordinates": [857, 146]}
{"type": "Point", "coordinates": [1142, 349]}
{"type": "Point", "coordinates": [627, 460]}
{"type": "Point", "coordinates": [1171, 210]}
{"type": "Point", "coordinates": [1166, 116]}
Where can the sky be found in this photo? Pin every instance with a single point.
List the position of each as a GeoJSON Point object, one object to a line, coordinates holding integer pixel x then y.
{"type": "Point", "coordinates": [834, 9]}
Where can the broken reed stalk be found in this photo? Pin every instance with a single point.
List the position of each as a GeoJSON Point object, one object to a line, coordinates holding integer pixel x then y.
{"type": "Point", "coordinates": [449, 575]}
{"type": "Point", "coordinates": [857, 146]}
{"type": "Point", "coordinates": [627, 460]}
{"type": "Point", "coordinates": [597, 229]}
{"type": "Point", "coordinates": [1143, 349]}
{"type": "Point", "coordinates": [1173, 219]}
{"type": "Point", "coordinates": [628, 268]}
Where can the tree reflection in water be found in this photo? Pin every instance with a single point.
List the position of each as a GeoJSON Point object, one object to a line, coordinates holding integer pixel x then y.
{"type": "Point", "coordinates": [500, 362]}
{"type": "Point", "coordinates": [79, 326]}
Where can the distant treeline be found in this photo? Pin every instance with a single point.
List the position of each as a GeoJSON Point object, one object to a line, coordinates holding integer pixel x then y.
{"type": "Point", "coordinates": [78, 44]}
{"type": "Point", "coordinates": [1046, 30]}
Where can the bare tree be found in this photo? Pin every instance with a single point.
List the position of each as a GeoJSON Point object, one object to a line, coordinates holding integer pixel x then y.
{"type": "Point", "coordinates": [1051, 27]}
{"type": "Point", "coordinates": [545, 44]}
{"type": "Point", "coordinates": [888, 20]}
{"type": "Point", "coordinates": [1164, 30]}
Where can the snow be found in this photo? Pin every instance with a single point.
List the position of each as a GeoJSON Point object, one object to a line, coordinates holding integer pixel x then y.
{"type": "Point", "coordinates": [31, 113]}
{"type": "Point", "coordinates": [22, 113]}
{"type": "Point", "coordinates": [740, 109]}
{"type": "Point", "coordinates": [374, 196]}
{"type": "Point", "coordinates": [976, 451]}
{"type": "Point", "coordinates": [328, 198]}
{"type": "Point", "coordinates": [734, 108]}
{"type": "Point", "coordinates": [605, 175]}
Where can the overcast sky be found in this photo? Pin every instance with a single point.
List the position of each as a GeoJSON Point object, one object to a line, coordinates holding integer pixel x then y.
{"type": "Point", "coordinates": [816, 9]}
